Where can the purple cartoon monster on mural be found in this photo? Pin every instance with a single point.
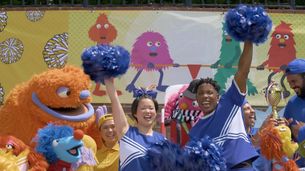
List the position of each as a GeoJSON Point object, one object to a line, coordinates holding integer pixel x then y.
{"type": "Point", "coordinates": [150, 53]}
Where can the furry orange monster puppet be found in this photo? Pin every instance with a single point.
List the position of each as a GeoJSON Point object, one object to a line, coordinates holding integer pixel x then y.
{"type": "Point", "coordinates": [33, 162]}
{"type": "Point", "coordinates": [59, 96]}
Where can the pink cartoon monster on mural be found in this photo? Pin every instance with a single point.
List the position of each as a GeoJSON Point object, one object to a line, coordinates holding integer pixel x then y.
{"type": "Point", "coordinates": [182, 112]}
{"type": "Point", "coordinates": [102, 32]}
{"type": "Point", "coordinates": [150, 53]}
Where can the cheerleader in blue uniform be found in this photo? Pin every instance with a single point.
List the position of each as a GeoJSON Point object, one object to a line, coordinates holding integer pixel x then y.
{"type": "Point", "coordinates": [135, 141]}
{"type": "Point", "coordinates": [223, 120]}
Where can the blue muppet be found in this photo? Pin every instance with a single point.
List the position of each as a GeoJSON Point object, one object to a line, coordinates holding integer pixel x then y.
{"type": "Point", "coordinates": [60, 145]}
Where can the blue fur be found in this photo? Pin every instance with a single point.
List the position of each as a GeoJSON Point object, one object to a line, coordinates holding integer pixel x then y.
{"type": "Point", "coordinates": [45, 137]}
{"type": "Point", "coordinates": [248, 23]}
{"type": "Point", "coordinates": [105, 61]}
{"type": "Point", "coordinates": [197, 155]}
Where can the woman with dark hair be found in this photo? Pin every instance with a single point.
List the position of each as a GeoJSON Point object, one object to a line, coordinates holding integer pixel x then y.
{"type": "Point", "coordinates": [134, 141]}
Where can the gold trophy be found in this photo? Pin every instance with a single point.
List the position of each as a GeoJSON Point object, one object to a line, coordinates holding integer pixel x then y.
{"type": "Point", "coordinates": [274, 97]}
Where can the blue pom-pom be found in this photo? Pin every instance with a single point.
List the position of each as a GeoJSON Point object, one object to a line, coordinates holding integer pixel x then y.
{"type": "Point", "coordinates": [197, 155]}
{"type": "Point", "coordinates": [207, 154]}
{"type": "Point", "coordinates": [105, 61]}
{"type": "Point", "coordinates": [248, 23]}
{"type": "Point", "coordinates": [166, 156]}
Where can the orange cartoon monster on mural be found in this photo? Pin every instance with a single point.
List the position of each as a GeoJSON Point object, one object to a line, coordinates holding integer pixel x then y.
{"type": "Point", "coordinates": [57, 95]}
{"type": "Point", "coordinates": [102, 32]}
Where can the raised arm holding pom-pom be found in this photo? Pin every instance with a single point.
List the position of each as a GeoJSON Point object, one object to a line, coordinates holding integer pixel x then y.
{"type": "Point", "coordinates": [223, 120]}
{"type": "Point", "coordinates": [135, 141]}
{"type": "Point", "coordinates": [120, 120]}
{"type": "Point", "coordinates": [103, 63]}
{"type": "Point", "coordinates": [244, 64]}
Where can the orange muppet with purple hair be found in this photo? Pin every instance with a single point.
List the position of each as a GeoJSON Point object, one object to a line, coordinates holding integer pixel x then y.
{"type": "Point", "coordinates": [58, 96]}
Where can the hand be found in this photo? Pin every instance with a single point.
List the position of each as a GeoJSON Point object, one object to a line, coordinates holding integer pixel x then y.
{"type": "Point", "coordinates": [284, 121]}
{"type": "Point", "coordinates": [215, 65]}
{"type": "Point", "coordinates": [283, 67]}
{"type": "Point", "coordinates": [99, 112]}
{"type": "Point", "coordinates": [296, 127]}
{"type": "Point", "coordinates": [260, 67]}
{"type": "Point", "coordinates": [110, 88]}
{"type": "Point", "coordinates": [176, 65]}
{"type": "Point", "coordinates": [228, 65]}
{"type": "Point", "coordinates": [269, 121]}
{"type": "Point", "coordinates": [252, 90]}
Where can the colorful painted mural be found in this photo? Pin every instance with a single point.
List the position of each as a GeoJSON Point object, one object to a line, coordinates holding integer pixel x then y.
{"type": "Point", "coordinates": [166, 47]}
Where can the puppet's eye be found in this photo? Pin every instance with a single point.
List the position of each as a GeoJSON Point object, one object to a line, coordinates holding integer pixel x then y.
{"type": "Point", "coordinates": [98, 26]}
{"type": "Point", "coordinates": [278, 36]}
{"type": "Point", "coordinates": [282, 129]}
{"type": "Point", "coordinates": [106, 26]}
{"type": "Point", "coordinates": [55, 143]}
{"type": "Point", "coordinates": [157, 44]}
{"type": "Point", "coordinates": [9, 146]}
{"type": "Point", "coordinates": [286, 37]}
{"type": "Point", "coordinates": [180, 95]}
{"type": "Point", "coordinates": [195, 104]}
{"type": "Point", "coordinates": [149, 44]}
{"type": "Point", "coordinates": [63, 92]}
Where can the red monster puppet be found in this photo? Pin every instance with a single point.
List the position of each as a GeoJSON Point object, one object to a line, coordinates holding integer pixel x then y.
{"type": "Point", "coordinates": [35, 161]}
{"type": "Point", "coordinates": [102, 32]}
{"type": "Point", "coordinates": [281, 52]}
{"type": "Point", "coordinates": [182, 111]}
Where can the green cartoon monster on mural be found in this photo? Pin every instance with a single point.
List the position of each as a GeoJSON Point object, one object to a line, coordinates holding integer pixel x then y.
{"type": "Point", "coordinates": [226, 64]}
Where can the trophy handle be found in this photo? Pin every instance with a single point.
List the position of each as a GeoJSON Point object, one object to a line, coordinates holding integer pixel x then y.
{"type": "Point", "coordinates": [275, 115]}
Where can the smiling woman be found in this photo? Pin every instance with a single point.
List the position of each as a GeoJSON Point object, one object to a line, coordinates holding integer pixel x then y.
{"type": "Point", "coordinates": [135, 141]}
{"type": "Point", "coordinates": [108, 154]}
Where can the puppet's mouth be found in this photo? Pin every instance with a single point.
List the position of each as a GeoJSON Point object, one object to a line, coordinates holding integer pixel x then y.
{"type": "Point", "coordinates": [82, 113]}
{"type": "Point", "coordinates": [74, 151]}
{"type": "Point", "coordinates": [153, 54]}
{"type": "Point", "coordinates": [282, 45]}
{"type": "Point", "coordinates": [70, 111]}
{"type": "Point", "coordinates": [103, 37]}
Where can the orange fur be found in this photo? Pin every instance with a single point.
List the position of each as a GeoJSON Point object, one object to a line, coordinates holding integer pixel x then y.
{"type": "Point", "coordinates": [290, 165]}
{"type": "Point", "coordinates": [271, 145]}
{"type": "Point", "coordinates": [19, 116]}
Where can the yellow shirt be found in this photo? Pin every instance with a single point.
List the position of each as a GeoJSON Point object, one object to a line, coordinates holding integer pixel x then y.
{"type": "Point", "coordinates": [108, 158]}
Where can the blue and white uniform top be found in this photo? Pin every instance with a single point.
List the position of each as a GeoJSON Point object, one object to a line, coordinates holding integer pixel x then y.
{"type": "Point", "coordinates": [295, 109]}
{"type": "Point", "coordinates": [226, 127]}
{"type": "Point", "coordinates": [133, 148]}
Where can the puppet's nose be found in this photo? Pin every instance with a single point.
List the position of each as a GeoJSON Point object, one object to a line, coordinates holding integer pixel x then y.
{"type": "Point", "coordinates": [78, 134]}
{"type": "Point", "coordinates": [183, 106]}
{"type": "Point", "coordinates": [84, 94]}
